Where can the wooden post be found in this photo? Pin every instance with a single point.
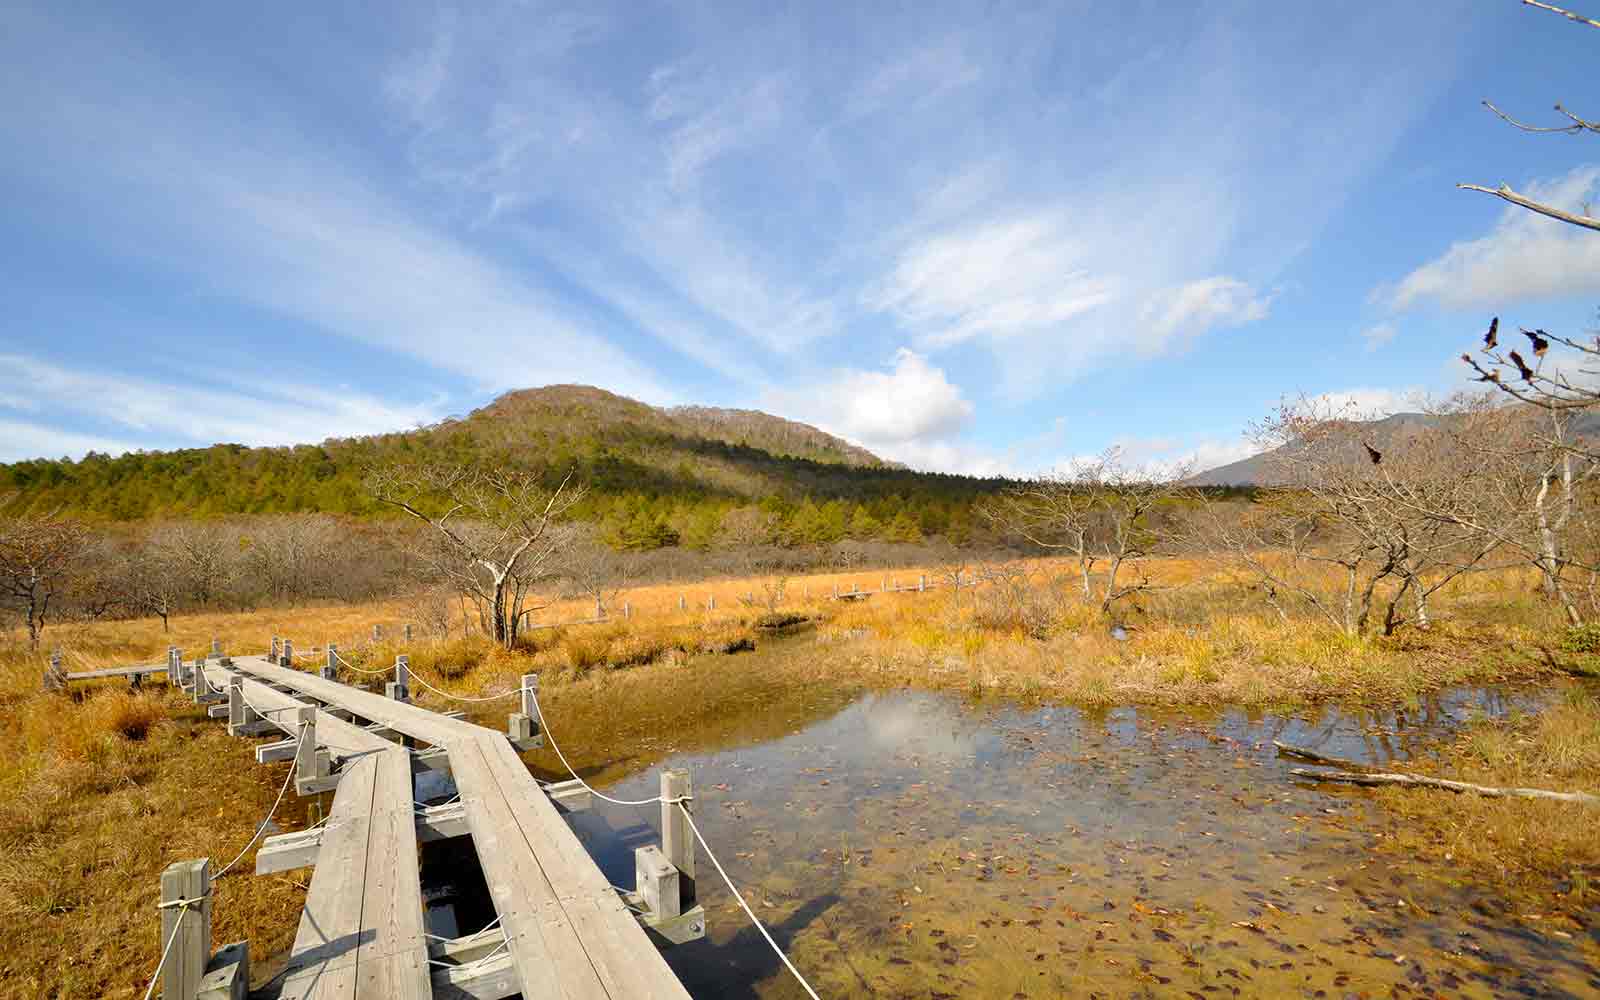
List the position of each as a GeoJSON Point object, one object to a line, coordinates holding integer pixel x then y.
{"type": "Point", "coordinates": [405, 631]}
{"type": "Point", "coordinates": [55, 679]}
{"type": "Point", "coordinates": [680, 602]}
{"type": "Point", "coordinates": [202, 689]}
{"type": "Point", "coordinates": [522, 728]}
{"type": "Point", "coordinates": [216, 647]}
{"type": "Point", "coordinates": [922, 582]}
{"type": "Point", "coordinates": [659, 885]}
{"type": "Point", "coordinates": [236, 706]}
{"type": "Point", "coordinates": [309, 765]}
{"type": "Point", "coordinates": [711, 602]}
{"type": "Point", "coordinates": [275, 649]}
{"type": "Point", "coordinates": [377, 633]}
{"type": "Point", "coordinates": [188, 928]}
{"type": "Point", "coordinates": [330, 670]}
{"type": "Point", "coordinates": [398, 689]}
{"type": "Point", "coordinates": [599, 611]}
{"type": "Point", "coordinates": [883, 585]}
{"type": "Point", "coordinates": [288, 654]}
{"type": "Point", "coordinates": [627, 610]}
{"type": "Point", "coordinates": [836, 591]}
{"type": "Point", "coordinates": [677, 840]}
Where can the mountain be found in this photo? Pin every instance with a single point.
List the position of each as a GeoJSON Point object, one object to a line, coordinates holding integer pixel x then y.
{"type": "Point", "coordinates": [643, 465]}
{"type": "Point", "coordinates": [1384, 434]}
{"type": "Point", "coordinates": [1257, 470]}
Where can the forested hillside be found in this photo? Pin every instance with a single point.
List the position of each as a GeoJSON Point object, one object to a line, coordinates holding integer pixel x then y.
{"type": "Point", "coordinates": [656, 477]}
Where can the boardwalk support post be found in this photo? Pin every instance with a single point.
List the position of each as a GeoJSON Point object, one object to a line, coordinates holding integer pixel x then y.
{"type": "Point", "coordinates": [311, 765]}
{"type": "Point", "coordinates": [276, 646]}
{"type": "Point", "coordinates": [287, 660]}
{"type": "Point", "coordinates": [216, 647]}
{"type": "Point", "coordinates": [399, 689]}
{"type": "Point", "coordinates": [188, 928]}
{"type": "Point", "coordinates": [677, 839]}
{"type": "Point", "coordinates": [330, 670]}
{"type": "Point", "coordinates": [522, 728]}
{"type": "Point", "coordinates": [240, 714]}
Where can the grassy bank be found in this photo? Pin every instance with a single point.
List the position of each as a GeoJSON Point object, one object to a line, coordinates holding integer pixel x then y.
{"type": "Point", "coordinates": [1542, 855]}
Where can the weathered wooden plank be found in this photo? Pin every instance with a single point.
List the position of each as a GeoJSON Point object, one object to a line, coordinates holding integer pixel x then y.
{"type": "Point", "coordinates": [545, 948]}
{"type": "Point", "coordinates": [393, 963]}
{"type": "Point", "coordinates": [322, 961]}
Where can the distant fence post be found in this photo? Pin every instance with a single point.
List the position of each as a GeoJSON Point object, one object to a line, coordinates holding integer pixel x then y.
{"type": "Point", "coordinates": [711, 602]}
{"type": "Point", "coordinates": [398, 688]}
{"type": "Point", "coordinates": [185, 927]}
{"type": "Point", "coordinates": [922, 582]}
{"type": "Point", "coordinates": [627, 610]}
{"type": "Point", "coordinates": [330, 670]}
{"type": "Point", "coordinates": [216, 647]}
{"type": "Point", "coordinates": [599, 610]}
{"type": "Point", "coordinates": [377, 633]}
{"type": "Point", "coordinates": [288, 654]}
{"type": "Point", "coordinates": [680, 602]}
{"type": "Point", "coordinates": [277, 645]}
{"type": "Point", "coordinates": [55, 679]}
{"type": "Point", "coordinates": [677, 839]}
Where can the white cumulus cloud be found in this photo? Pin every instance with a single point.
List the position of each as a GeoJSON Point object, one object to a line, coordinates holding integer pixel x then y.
{"type": "Point", "coordinates": [1525, 256]}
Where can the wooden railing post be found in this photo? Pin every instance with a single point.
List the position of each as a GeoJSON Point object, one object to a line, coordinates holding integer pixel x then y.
{"type": "Point", "coordinates": [187, 928]}
{"type": "Point", "coordinates": [399, 688]}
{"type": "Point", "coordinates": [287, 660]}
{"type": "Point", "coordinates": [377, 633]}
{"type": "Point", "coordinates": [216, 647]}
{"type": "Point", "coordinates": [276, 645]}
{"type": "Point", "coordinates": [330, 670]}
{"type": "Point", "coordinates": [681, 602]}
{"type": "Point", "coordinates": [310, 764]}
{"type": "Point", "coordinates": [627, 610]}
{"type": "Point", "coordinates": [239, 713]}
{"type": "Point", "coordinates": [405, 632]}
{"type": "Point", "coordinates": [922, 582]}
{"type": "Point", "coordinates": [677, 839]}
{"type": "Point", "coordinates": [201, 689]}
{"type": "Point", "coordinates": [711, 602]}
{"type": "Point", "coordinates": [522, 728]}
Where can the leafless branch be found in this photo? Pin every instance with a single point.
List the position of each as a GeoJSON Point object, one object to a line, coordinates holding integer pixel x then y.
{"type": "Point", "coordinates": [1569, 15]}
{"type": "Point", "coordinates": [1505, 193]}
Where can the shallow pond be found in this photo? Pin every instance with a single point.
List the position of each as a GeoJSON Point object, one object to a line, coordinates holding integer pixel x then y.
{"type": "Point", "coordinates": [913, 845]}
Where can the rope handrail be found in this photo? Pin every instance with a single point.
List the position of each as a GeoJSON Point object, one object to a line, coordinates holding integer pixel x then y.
{"type": "Point", "coordinates": [460, 697]}
{"type": "Point", "coordinates": [300, 741]}
{"type": "Point", "coordinates": [360, 670]}
{"type": "Point", "coordinates": [155, 977]}
{"type": "Point", "coordinates": [592, 790]}
{"type": "Point", "coordinates": [744, 905]}
{"type": "Point", "coordinates": [680, 801]}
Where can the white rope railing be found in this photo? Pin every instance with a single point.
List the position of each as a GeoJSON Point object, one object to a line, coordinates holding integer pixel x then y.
{"type": "Point", "coordinates": [681, 802]}
{"type": "Point", "coordinates": [155, 978]}
{"type": "Point", "coordinates": [592, 790]}
{"type": "Point", "coordinates": [360, 670]}
{"type": "Point", "coordinates": [287, 779]}
{"type": "Point", "coordinates": [745, 906]}
{"type": "Point", "coordinates": [413, 675]}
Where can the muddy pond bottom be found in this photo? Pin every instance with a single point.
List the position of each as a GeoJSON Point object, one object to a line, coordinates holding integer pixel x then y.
{"type": "Point", "coordinates": [913, 845]}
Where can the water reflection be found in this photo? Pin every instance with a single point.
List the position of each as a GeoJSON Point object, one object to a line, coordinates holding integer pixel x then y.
{"type": "Point", "coordinates": [912, 845]}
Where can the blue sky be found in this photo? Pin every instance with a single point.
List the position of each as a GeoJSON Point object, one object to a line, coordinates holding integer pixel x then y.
{"type": "Point", "coordinates": [982, 238]}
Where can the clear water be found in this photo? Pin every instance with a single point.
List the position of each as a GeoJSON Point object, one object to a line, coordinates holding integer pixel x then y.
{"type": "Point", "coordinates": [913, 845]}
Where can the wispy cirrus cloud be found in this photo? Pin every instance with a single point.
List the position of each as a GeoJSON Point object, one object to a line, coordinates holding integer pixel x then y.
{"type": "Point", "coordinates": [182, 414]}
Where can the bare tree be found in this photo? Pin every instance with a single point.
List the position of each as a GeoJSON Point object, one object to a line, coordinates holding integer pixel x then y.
{"type": "Point", "coordinates": [593, 568]}
{"type": "Point", "coordinates": [493, 536]}
{"type": "Point", "coordinates": [1102, 512]}
{"type": "Point", "coordinates": [37, 558]}
{"type": "Point", "coordinates": [201, 555]}
{"type": "Point", "coordinates": [1573, 125]}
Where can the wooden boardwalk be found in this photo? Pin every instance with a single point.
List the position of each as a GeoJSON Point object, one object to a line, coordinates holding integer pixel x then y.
{"type": "Point", "coordinates": [563, 930]}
